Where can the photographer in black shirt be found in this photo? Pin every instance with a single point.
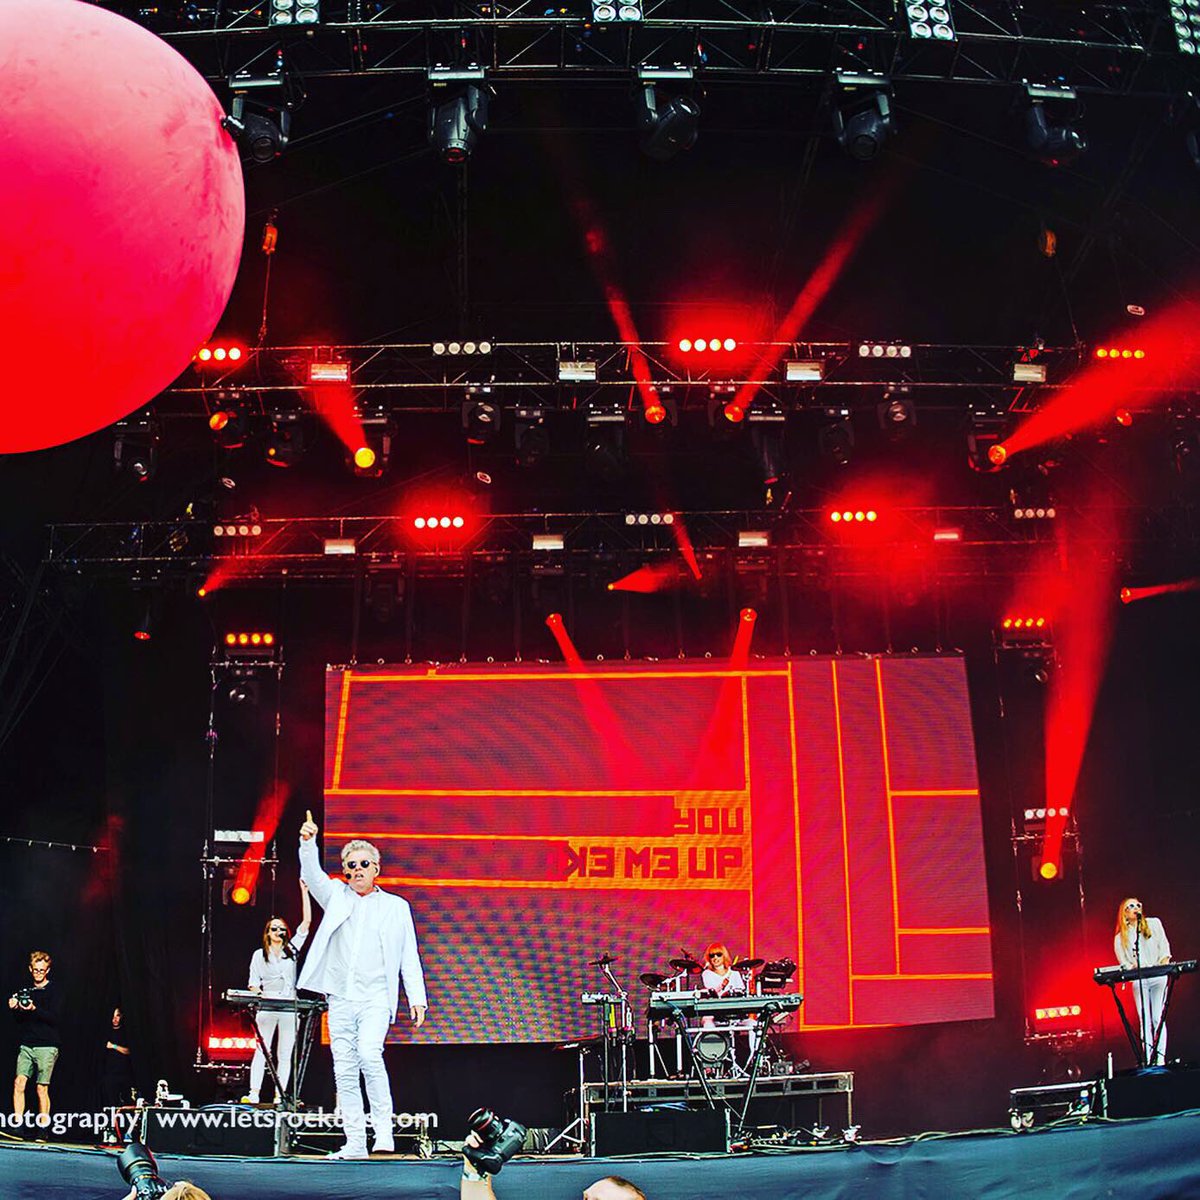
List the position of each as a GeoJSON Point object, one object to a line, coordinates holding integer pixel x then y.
{"type": "Point", "coordinates": [36, 1011]}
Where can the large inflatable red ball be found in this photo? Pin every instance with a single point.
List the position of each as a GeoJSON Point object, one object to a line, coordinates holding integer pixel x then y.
{"type": "Point", "coordinates": [121, 218]}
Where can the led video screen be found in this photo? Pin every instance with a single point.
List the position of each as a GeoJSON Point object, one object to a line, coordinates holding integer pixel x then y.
{"type": "Point", "coordinates": [821, 810]}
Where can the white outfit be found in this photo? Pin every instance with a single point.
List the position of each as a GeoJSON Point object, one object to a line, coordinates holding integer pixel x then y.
{"type": "Point", "coordinates": [275, 975]}
{"type": "Point", "coordinates": [1149, 995]}
{"type": "Point", "coordinates": [362, 947]}
{"type": "Point", "coordinates": [728, 984]}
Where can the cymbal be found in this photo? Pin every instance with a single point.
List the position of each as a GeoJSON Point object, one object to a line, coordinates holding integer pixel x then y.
{"type": "Point", "coordinates": [685, 964]}
{"type": "Point", "coordinates": [748, 964]}
{"type": "Point", "coordinates": [652, 979]}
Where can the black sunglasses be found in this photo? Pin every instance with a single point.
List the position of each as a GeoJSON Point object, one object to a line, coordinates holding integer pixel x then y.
{"type": "Point", "coordinates": [366, 862]}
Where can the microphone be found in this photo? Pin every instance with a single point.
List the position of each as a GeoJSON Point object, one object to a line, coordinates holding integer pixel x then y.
{"type": "Point", "coordinates": [602, 961]}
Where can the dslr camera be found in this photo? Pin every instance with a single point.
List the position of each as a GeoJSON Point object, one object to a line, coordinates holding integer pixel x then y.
{"type": "Point", "coordinates": [23, 996]}
{"type": "Point", "coordinates": [140, 1171]}
{"type": "Point", "coordinates": [501, 1140]}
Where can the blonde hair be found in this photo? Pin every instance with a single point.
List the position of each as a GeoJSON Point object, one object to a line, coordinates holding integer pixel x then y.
{"type": "Point", "coordinates": [39, 956]}
{"type": "Point", "coordinates": [185, 1191]}
{"type": "Point", "coordinates": [1122, 930]}
{"type": "Point", "coordinates": [358, 846]}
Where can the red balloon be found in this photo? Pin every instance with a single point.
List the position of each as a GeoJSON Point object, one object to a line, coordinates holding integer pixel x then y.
{"type": "Point", "coordinates": [122, 211]}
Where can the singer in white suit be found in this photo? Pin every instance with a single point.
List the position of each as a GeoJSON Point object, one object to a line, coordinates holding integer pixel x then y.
{"type": "Point", "coordinates": [364, 945]}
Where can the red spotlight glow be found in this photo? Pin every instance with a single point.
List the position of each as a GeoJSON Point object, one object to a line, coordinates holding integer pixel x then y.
{"type": "Point", "coordinates": [1049, 870]}
{"type": "Point", "coordinates": [655, 413]}
{"type": "Point", "coordinates": [1130, 595]}
{"type": "Point", "coordinates": [571, 656]}
{"type": "Point", "coordinates": [998, 454]}
{"type": "Point", "coordinates": [364, 458]}
{"type": "Point", "coordinates": [240, 894]}
{"type": "Point", "coordinates": [734, 412]}
{"type": "Point", "coordinates": [1123, 417]}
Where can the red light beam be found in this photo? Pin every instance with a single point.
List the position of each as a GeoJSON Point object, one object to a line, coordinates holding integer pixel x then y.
{"type": "Point", "coordinates": [1131, 595]}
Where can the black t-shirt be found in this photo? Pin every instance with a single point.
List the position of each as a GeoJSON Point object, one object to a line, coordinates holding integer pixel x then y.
{"type": "Point", "coordinates": [39, 1026]}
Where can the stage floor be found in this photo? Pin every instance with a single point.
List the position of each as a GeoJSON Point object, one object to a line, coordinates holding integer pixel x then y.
{"type": "Point", "coordinates": [1153, 1159]}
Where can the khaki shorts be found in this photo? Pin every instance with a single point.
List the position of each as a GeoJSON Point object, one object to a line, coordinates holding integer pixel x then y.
{"type": "Point", "coordinates": [42, 1058]}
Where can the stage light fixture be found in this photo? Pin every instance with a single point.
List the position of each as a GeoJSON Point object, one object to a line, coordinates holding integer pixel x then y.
{"type": "Point", "coordinates": [807, 370]}
{"type": "Point", "coordinates": [328, 372]}
{"type": "Point", "coordinates": [1120, 353]}
{"type": "Point", "coordinates": [246, 527]}
{"type": "Point", "coordinates": [667, 127]}
{"type": "Point", "coordinates": [947, 533]}
{"type": "Point", "coordinates": [465, 346]}
{"type": "Point", "coordinates": [1035, 512]}
{"type": "Point", "coordinates": [854, 516]}
{"type": "Point", "coordinates": [1185, 18]}
{"type": "Point", "coordinates": [897, 415]}
{"type": "Point", "coordinates": [930, 21]}
{"type": "Point", "coordinates": [371, 459]}
{"type": "Point", "coordinates": [261, 130]}
{"type": "Point", "coordinates": [456, 122]}
{"type": "Point", "coordinates": [285, 441]}
{"type": "Point", "coordinates": [547, 542]}
{"type": "Point", "coordinates": [481, 416]}
{"type": "Point", "coordinates": [884, 350]}
{"type": "Point", "coordinates": [221, 356]}
{"type": "Point", "coordinates": [767, 422]}
{"type": "Point", "coordinates": [227, 420]}
{"type": "Point", "coordinates": [604, 439]}
{"type": "Point", "coordinates": [439, 522]}
{"type": "Point", "coordinates": [862, 115]}
{"type": "Point", "coordinates": [649, 518]}
{"type": "Point", "coordinates": [1029, 372]}
{"type": "Point", "coordinates": [143, 631]}
{"type": "Point", "coordinates": [531, 438]}
{"type": "Point", "coordinates": [1049, 124]}
{"type": "Point", "coordinates": [135, 447]}
{"type": "Point", "coordinates": [294, 12]}
{"type": "Point", "coordinates": [985, 434]}
{"type": "Point", "coordinates": [753, 539]}
{"type": "Point", "coordinates": [576, 371]}
{"type": "Point", "coordinates": [835, 438]}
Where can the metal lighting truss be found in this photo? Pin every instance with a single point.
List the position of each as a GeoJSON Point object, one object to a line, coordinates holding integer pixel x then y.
{"type": "Point", "coordinates": [1125, 48]}
{"type": "Point", "coordinates": [411, 378]}
{"type": "Point", "coordinates": [801, 545]}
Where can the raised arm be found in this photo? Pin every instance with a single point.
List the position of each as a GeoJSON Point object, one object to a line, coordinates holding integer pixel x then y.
{"type": "Point", "coordinates": [305, 911]}
{"type": "Point", "coordinates": [319, 884]}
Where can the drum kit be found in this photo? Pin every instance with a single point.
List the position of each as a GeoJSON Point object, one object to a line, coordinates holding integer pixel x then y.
{"type": "Point", "coordinates": [721, 1045]}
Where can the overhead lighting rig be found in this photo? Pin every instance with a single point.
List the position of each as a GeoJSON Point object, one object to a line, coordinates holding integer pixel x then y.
{"type": "Point", "coordinates": [666, 125]}
{"type": "Point", "coordinates": [260, 113]}
{"type": "Point", "coordinates": [862, 114]}
{"type": "Point", "coordinates": [458, 114]}
{"type": "Point", "coordinates": [1050, 115]}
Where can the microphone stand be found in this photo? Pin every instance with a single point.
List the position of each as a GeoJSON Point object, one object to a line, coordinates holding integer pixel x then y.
{"type": "Point", "coordinates": [1143, 1007]}
{"type": "Point", "coordinates": [622, 1023]}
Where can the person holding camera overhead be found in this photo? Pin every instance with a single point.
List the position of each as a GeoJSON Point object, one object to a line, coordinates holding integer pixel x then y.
{"type": "Point", "coordinates": [492, 1141]}
{"type": "Point", "coordinates": [363, 945]}
{"type": "Point", "coordinates": [36, 1011]}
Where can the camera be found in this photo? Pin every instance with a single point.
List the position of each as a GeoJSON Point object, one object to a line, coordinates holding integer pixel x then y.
{"type": "Point", "coordinates": [140, 1171]}
{"type": "Point", "coordinates": [501, 1140]}
{"type": "Point", "coordinates": [23, 996]}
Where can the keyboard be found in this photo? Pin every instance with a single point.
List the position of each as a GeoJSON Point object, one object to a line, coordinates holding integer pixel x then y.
{"type": "Point", "coordinates": [663, 1004]}
{"type": "Point", "coordinates": [1113, 975]}
{"type": "Point", "coordinates": [240, 998]}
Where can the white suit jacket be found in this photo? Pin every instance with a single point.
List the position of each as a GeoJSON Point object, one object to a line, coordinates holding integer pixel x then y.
{"type": "Point", "coordinates": [399, 939]}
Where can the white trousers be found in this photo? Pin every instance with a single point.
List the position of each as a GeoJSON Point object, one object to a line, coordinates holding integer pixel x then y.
{"type": "Point", "coordinates": [268, 1023]}
{"type": "Point", "coordinates": [356, 1033]}
{"type": "Point", "coordinates": [1148, 997]}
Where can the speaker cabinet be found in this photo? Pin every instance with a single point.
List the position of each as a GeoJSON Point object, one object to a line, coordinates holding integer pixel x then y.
{"type": "Point", "coordinates": [660, 1131]}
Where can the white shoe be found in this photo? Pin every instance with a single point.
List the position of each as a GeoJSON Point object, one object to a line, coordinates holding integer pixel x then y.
{"type": "Point", "coordinates": [384, 1146]}
{"type": "Point", "coordinates": [250, 1099]}
{"type": "Point", "coordinates": [349, 1151]}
